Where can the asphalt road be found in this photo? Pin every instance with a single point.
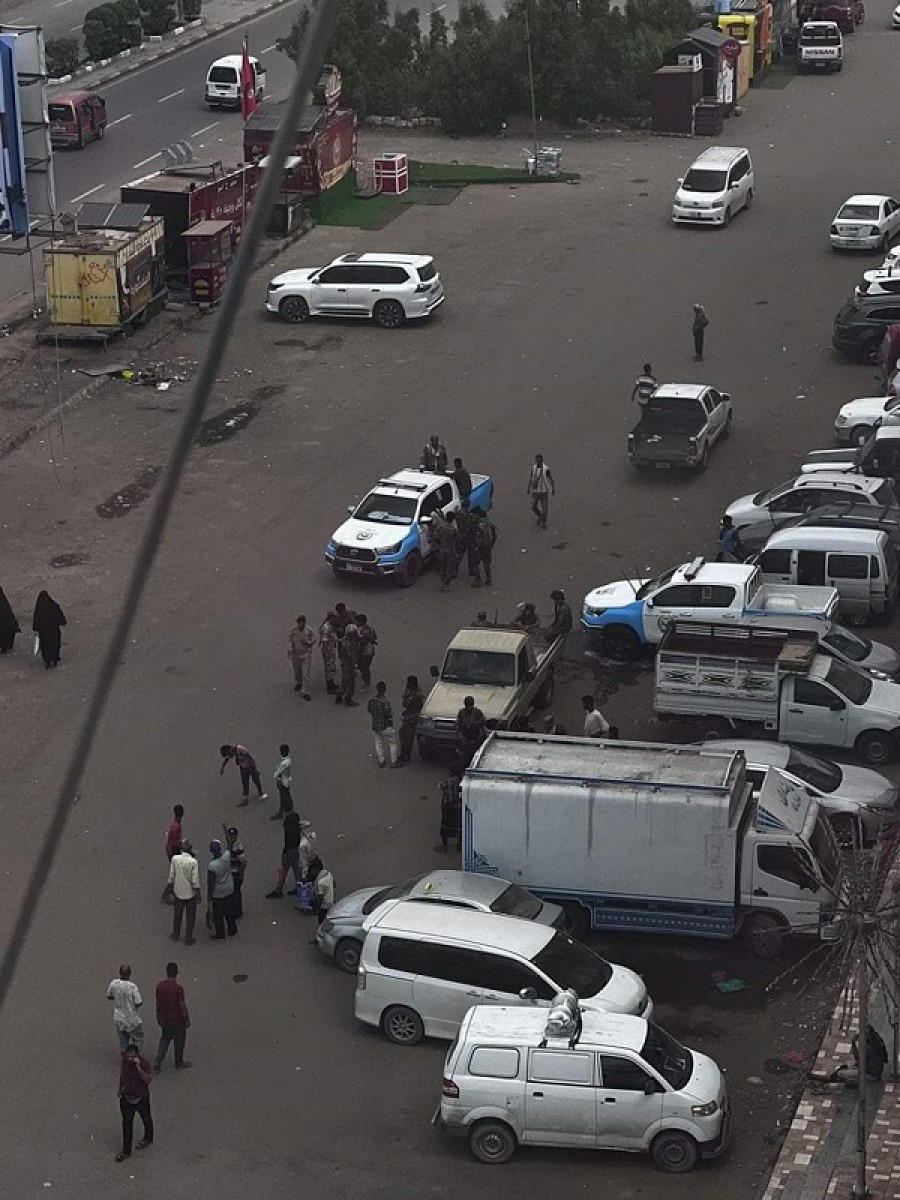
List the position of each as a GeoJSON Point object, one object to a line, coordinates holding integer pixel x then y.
{"type": "Point", "coordinates": [556, 295]}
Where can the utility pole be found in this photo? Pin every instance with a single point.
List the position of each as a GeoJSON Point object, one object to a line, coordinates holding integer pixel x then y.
{"type": "Point", "coordinates": [531, 87]}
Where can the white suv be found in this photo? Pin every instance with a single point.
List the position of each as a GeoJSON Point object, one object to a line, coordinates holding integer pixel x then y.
{"type": "Point", "coordinates": [389, 288]}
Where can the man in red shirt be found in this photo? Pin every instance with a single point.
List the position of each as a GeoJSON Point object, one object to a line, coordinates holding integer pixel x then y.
{"type": "Point", "coordinates": [172, 1018]}
{"type": "Point", "coordinates": [173, 837]}
{"type": "Point", "coordinates": [134, 1097]}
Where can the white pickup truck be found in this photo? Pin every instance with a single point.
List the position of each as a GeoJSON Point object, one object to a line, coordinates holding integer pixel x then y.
{"type": "Point", "coordinates": [820, 47]}
{"type": "Point", "coordinates": [734, 678]}
{"type": "Point", "coordinates": [388, 534]}
{"type": "Point", "coordinates": [621, 617]}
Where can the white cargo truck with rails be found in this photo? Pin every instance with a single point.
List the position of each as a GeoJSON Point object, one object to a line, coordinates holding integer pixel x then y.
{"type": "Point", "coordinates": [644, 837]}
{"type": "Point", "coordinates": [727, 678]}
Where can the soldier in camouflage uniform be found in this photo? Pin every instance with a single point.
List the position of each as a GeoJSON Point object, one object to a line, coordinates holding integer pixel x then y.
{"type": "Point", "coordinates": [446, 541]}
{"type": "Point", "coordinates": [348, 655]}
{"type": "Point", "coordinates": [328, 644]}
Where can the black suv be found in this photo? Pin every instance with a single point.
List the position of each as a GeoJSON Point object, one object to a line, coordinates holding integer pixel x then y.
{"type": "Point", "coordinates": [862, 323]}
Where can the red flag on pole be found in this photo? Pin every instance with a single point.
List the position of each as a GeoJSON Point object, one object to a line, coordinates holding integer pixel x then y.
{"type": "Point", "coordinates": [248, 84]}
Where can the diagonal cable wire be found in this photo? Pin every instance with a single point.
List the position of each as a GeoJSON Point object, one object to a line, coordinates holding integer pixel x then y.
{"type": "Point", "coordinates": [319, 31]}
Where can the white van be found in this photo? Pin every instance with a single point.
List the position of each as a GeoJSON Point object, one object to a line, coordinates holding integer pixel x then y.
{"type": "Point", "coordinates": [223, 81]}
{"type": "Point", "coordinates": [717, 186]}
{"type": "Point", "coordinates": [861, 564]}
{"type": "Point", "coordinates": [423, 966]}
{"type": "Point", "coordinates": [578, 1078]}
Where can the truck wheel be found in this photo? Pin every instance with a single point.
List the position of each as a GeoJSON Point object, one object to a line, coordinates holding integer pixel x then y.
{"type": "Point", "coordinates": [622, 643]}
{"type": "Point", "coordinates": [876, 747]}
{"type": "Point", "coordinates": [492, 1142]}
{"type": "Point", "coordinates": [711, 729]}
{"type": "Point", "coordinates": [544, 698]}
{"type": "Point", "coordinates": [426, 751]}
{"type": "Point", "coordinates": [346, 955]}
{"type": "Point", "coordinates": [859, 620]}
{"type": "Point", "coordinates": [402, 1026]}
{"type": "Point", "coordinates": [577, 922]}
{"type": "Point", "coordinates": [726, 432]}
{"type": "Point", "coordinates": [412, 569]}
{"type": "Point", "coordinates": [871, 351]}
{"type": "Point", "coordinates": [861, 434]}
{"type": "Point", "coordinates": [726, 219]}
{"type": "Point", "coordinates": [704, 460]}
{"type": "Point", "coordinates": [762, 935]}
{"type": "Point", "coordinates": [674, 1151]}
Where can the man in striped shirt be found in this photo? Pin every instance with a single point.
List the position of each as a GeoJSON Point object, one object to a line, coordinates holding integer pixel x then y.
{"type": "Point", "coordinates": [386, 745]}
{"type": "Point", "coordinates": [644, 386]}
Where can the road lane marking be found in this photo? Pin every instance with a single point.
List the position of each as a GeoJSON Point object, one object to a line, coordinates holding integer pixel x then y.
{"type": "Point", "coordinates": [205, 129]}
{"type": "Point", "coordinates": [171, 96]}
{"type": "Point", "coordinates": [119, 120]}
{"type": "Point", "coordinates": [84, 195]}
{"type": "Point", "coordinates": [144, 161]}
{"type": "Point", "coordinates": [268, 48]}
{"type": "Point", "coordinates": [75, 28]}
{"type": "Point", "coordinates": [62, 3]}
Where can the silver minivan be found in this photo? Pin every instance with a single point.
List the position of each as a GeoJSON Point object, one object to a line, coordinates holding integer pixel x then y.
{"type": "Point", "coordinates": [861, 564]}
{"type": "Point", "coordinates": [424, 965]}
{"type": "Point", "coordinates": [571, 1077]}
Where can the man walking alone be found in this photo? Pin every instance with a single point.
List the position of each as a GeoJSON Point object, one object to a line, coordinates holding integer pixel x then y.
{"type": "Point", "coordinates": [541, 485]}
{"type": "Point", "coordinates": [701, 320]}
{"type": "Point", "coordinates": [135, 1076]}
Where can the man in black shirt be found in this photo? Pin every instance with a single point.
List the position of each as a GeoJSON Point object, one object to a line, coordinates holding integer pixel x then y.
{"type": "Point", "coordinates": [462, 479]}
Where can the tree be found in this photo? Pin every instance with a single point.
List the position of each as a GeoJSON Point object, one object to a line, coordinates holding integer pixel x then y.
{"type": "Point", "coordinates": [63, 56]}
{"type": "Point", "coordinates": [157, 16]}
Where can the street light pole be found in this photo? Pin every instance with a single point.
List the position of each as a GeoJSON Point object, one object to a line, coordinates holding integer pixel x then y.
{"type": "Point", "coordinates": [531, 86]}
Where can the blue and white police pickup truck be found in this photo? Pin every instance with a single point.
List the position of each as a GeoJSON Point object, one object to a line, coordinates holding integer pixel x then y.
{"type": "Point", "coordinates": [388, 533]}
{"type": "Point", "coordinates": [619, 618]}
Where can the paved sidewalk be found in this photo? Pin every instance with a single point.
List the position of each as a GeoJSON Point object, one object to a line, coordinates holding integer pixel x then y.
{"type": "Point", "coordinates": [817, 1159]}
{"type": "Point", "coordinates": [217, 16]}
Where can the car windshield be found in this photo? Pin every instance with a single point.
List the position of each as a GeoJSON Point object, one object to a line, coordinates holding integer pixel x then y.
{"type": "Point", "coordinates": [397, 892]}
{"type": "Point", "coordinates": [672, 1060]}
{"type": "Point", "coordinates": [570, 965]}
{"type": "Point", "coordinates": [652, 584]}
{"type": "Point", "coordinates": [817, 772]}
{"type": "Point", "coordinates": [479, 667]}
{"type": "Point", "coordinates": [852, 684]}
{"type": "Point", "coordinates": [673, 414]}
{"type": "Point", "coordinates": [813, 33]}
{"type": "Point", "coordinates": [517, 901]}
{"type": "Point", "coordinates": [769, 494]}
{"type": "Point", "coordinates": [847, 643]}
{"type": "Point", "coordinates": [858, 212]}
{"type": "Point", "coordinates": [386, 510]}
{"type": "Point", "coordinates": [59, 112]}
{"type": "Point", "coordinates": [698, 180]}
{"type": "Point", "coordinates": [223, 75]}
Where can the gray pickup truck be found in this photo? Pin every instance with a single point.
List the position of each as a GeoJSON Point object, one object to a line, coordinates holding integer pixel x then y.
{"type": "Point", "coordinates": [508, 672]}
{"type": "Point", "coordinates": [679, 425]}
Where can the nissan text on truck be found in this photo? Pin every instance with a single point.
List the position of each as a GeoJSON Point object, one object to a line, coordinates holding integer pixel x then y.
{"type": "Point", "coordinates": [775, 681]}
{"type": "Point", "coordinates": [649, 838]}
{"type": "Point", "coordinates": [622, 617]}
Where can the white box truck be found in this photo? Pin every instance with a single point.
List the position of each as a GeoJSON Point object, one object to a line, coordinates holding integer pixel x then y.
{"type": "Point", "coordinates": [643, 837]}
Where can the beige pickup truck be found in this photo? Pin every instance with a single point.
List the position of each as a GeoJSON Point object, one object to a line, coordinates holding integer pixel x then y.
{"type": "Point", "coordinates": [508, 672]}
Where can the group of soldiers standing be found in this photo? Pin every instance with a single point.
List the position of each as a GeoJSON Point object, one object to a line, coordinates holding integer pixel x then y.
{"type": "Point", "coordinates": [468, 534]}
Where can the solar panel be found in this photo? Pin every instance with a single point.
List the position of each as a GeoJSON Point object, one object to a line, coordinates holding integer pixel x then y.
{"type": "Point", "coordinates": [111, 216]}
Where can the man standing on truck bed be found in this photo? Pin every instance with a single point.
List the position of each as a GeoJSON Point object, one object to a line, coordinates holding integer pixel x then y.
{"type": "Point", "coordinates": [540, 485]}
{"type": "Point", "coordinates": [463, 481]}
{"type": "Point", "coordinates": [434, 456]}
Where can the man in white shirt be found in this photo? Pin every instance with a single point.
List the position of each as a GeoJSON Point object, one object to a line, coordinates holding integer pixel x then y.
{"type": "Point", "coordinates": [126, 1002]}
{"type": "Point", "coordinates": [282, 777]}
{"type": "Point", "coordinates": [541, 485]}
{"type": "Point", "coordinates": [595, 724]}
{"type": "Point", "coordinates": [184, 880]}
